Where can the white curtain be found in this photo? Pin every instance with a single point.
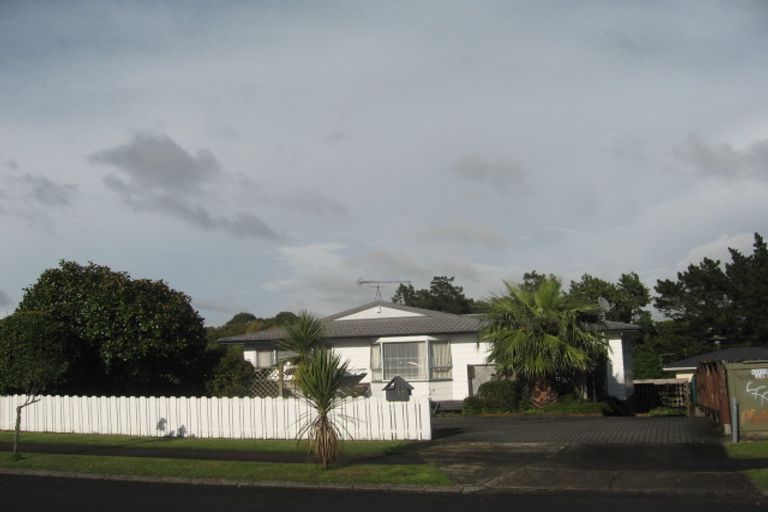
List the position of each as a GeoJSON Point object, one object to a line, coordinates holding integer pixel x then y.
{"type": "Point", "coordinates": [408, 360]}
{"type": "Point", "coordinates": [265, 357]}
{"type": "Point", "coordinates": [440, 360]}
{"type": "Point", "coordinates": [376, 362]}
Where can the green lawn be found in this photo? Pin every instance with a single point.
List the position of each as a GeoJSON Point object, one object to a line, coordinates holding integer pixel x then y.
{"type": "Point", "coordinates": [752, 450]}
{"type": "Point", "coordinates": [351, 473]}
{"type": "Point", "coordinates": [352, 448]}
{"type": "Point", "coordinates": [748, 450]}
{"type": "Point", "coordinates": [414, 474]}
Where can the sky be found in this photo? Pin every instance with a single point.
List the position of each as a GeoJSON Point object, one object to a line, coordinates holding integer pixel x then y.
{"type": "Point", "coordinates": [264, 156]}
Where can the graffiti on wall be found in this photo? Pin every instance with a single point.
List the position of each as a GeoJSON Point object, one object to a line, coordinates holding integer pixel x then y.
{"type": "Point", "coordinates": [758, 392]}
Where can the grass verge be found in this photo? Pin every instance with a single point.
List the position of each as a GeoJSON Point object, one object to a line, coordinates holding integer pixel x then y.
{"type": "Point", "coordinates": [752, 450]}
{"type": "Point", "coordinates": [352, 448]}
{"type": "Point", "coordinates": [414, 474]}
{"type": "Point", "coordinates": [748, 450]}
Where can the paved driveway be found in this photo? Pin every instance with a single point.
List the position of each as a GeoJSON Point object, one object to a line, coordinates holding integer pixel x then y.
{"type": "Point", "coordinates": [574, 430]}
{"type": "Point", "coordinates": [666, 455]}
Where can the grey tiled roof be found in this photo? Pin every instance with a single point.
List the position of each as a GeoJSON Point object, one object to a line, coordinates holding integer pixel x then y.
{"type": "Point", "coordinates": [431, 322]}
{"type": "Point", "coordinates": [733, 355]}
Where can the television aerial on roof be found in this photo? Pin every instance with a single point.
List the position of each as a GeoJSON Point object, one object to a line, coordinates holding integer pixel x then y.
{"type": "Point", "coordinates": [378, 285]}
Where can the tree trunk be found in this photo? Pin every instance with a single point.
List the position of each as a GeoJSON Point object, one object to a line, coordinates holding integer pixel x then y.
{"type": "Point", "coordinates": [29, 400]}
{"type": "Point", "coordinates": [17, 431]}
{"type": "Point", "coordinates": [543, 394]}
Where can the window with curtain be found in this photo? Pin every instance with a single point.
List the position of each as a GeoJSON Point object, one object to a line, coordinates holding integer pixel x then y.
{"type": "Point", "coordinates": [265, 357]}
{"type": "Point", "coordinates": [407, 359]}
{"type": "Point", "coordinates": [375, 362]}
{"type": "Point", "coordinates": [440, 360]}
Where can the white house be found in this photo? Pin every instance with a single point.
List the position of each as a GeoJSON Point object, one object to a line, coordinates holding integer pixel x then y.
{"type": "Point", "coordinates": [439, 354]}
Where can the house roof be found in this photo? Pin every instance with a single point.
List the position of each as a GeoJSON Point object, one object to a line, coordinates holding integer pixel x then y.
{"type": "Point", "coordinates": [728, 354]}
{"type": "Point", "coordinates": [427, 322]}
{"type": "Point", "coordinates": [419, 322]}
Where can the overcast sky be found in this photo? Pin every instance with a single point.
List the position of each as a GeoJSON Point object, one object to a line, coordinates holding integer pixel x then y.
{"type": "Point", "coordinates": [263, 156]}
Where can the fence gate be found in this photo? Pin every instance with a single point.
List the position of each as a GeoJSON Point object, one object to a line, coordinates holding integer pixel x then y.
{"type": "Point", "coordinates": [479, 374]}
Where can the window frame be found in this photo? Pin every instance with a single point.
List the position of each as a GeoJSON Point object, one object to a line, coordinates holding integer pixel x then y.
{"type": "Point", "coordinates": [379, 374]}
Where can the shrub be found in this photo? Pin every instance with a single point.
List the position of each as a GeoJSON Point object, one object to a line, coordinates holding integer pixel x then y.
{"type": "Point", "coordinates": [570, 404]}
{"type": "Point", "coordinates": [494, 397]}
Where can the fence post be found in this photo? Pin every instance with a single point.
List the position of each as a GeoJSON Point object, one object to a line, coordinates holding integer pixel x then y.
{"type": "Point", "coordinates": [734, 420]}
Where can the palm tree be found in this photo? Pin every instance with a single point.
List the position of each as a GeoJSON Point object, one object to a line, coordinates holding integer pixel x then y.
{"type": "Point", "coordinates": [538, 335]}
{"type": "Point", "coordinates": [318, 374]}
{"type": "Point", "coordinates": [303, 336]}
{"type": "Point", "coordinates": [320, 382]}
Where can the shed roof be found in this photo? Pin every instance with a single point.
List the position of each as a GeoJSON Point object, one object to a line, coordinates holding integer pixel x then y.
{"type": "Point", "coordinates": [736, 354]}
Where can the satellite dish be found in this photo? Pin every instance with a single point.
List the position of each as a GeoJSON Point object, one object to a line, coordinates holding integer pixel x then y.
{"type": "Point", "coordinates": [604, 304]}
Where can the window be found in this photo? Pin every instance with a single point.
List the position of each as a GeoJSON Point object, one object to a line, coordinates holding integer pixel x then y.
{"type": "Point", "coordinates": [407, 360]}
{"type": "Point", "coordinates": [264, 358]}
{"type": "Point", "coordinates": [415, 360]}
{"type": "Point", "coordinates": [440, 360]}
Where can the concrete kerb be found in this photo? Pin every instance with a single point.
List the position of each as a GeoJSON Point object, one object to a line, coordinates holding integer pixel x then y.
{"type": "Point", "coordinates": [455, 489]}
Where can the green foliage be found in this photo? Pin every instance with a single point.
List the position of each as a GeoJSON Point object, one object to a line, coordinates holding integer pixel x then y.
{"type": "Point", "coordinates": [629, 297]}
{"type": "Point", "coordinates": [720, 302]}
{"type": "Point", "coordinates": [303, 336]}
{"type": "Point", "coordinates": [247, 322]}
{"type": "Point", "coordinates": [497, 396]}
{"type": "Point", "coordinates": [570, 405]}
{"type": "Point", "coordinates": [31, 353]}
{"type": "Point", "coordinates": [646, 363]}
{"type": "Point", "coordinates": [539, 336]}
{"type": "Point", "coordinates": [231, 375]}
{"type": "Point", "coordinates": [125, 336]}
{"type": "Point", "coordinates": [532, 280]}
{"type": "Point", "coordinates": [667, 411]}
{"type": "Point", "coordinates": [442, 295]}
{"type": "Point", "coordinates": [320, 381]}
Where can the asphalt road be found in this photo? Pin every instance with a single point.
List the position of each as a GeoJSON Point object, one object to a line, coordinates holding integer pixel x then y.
{"type": "Point", "coordinates": [29, 494]}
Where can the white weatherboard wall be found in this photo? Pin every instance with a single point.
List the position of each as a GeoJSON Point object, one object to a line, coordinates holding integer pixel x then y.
{"type": "Point", "coordinates": [619, 369]}
{"type": "Point", "coordinates": [236, 418]}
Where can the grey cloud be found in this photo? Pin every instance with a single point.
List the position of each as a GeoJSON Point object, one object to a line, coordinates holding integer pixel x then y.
{"type": "Point", "coordinates": [31, 196]}
{"type": "Point", "coordinates": [5, 300]}
{"type": "Point", "coordinates": [500, 173]}
{"type": "Point", "coordinates": [159, 175]}
{"type": "Point", "coordinates": [463, 235]}
{"type": "Point", "coordinates": [315, 203]}
{"type": "Point", "coordinates": [47, 192]}
{"type": "Point", "coordinates": [157, 162]}
{"type": "Point", "coordinates": [241, 225]}
{"type": "Point", "coordinates": [723, 160]}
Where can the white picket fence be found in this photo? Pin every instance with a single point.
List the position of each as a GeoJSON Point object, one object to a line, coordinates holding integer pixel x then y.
{"type": "Point", "coordinates": [240, 418]}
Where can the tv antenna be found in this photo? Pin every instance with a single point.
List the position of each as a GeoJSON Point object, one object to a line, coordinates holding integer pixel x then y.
{"type": "Point", "coordinates": [378, 285]}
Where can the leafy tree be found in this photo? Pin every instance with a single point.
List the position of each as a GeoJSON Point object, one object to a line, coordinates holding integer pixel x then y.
{"type": "Point", "coordinates": [720, 302]}
{"type": "Point", "coordinates": [532, 280]}
{"type": "Point", "coordinates": [442, 295]}
{"type": "Point", "coordinates": [628, 297]}
{"type": "Point", "coordinates": [231, 374]}
{"type": "Point", "coordinates": [539, 336]}
{"type": "Point", "coordinates": [31, 358]}
{"type": "Point", "coordinates": [125, 336]}
{"type": "Point", "coordinates": [247, 322]}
